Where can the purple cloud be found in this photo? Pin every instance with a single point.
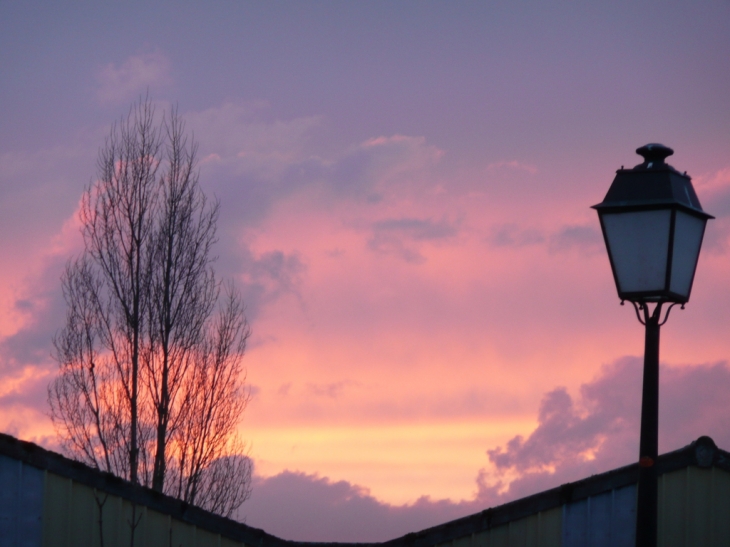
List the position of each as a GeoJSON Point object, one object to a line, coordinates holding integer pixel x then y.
{"type": "Point", "coordinates": [399, 236]}
{"type": "Point", "coordinates": [332, 390]}
{"type": "Point", "coordinates": [312, 508]}
{"type": "Point", "coordinates": [119, 84]}
{"type": "Point", "coordinates": [511, 235]}
{"type": "Point", "coordinates": [599, 430]}
{"type": "Point", "coordinates": [587, 239]}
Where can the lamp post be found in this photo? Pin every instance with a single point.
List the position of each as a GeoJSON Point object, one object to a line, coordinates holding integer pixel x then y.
{"type": "Point", "coordinates": [653, 226]}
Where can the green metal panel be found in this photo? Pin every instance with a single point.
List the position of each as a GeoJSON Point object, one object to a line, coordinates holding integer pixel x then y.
{"type": "Point", "coordinates": [518, 531]}
{"type": "Point", "coordinates": [499, 536]}
{"type": "Point", "coordinates": [721, 507]}
{"type": "Point", "coordinates": [550, 525]}
{"type": "Point", "coordinates": [543, 529]}
{"type": "Point", "coordinates": [465, 541]}
{"type": "Point", "coordinates": [137, 524]}
{"type": "Point", "coordinates": [694, 508]}
{"type": "Point", "coordinates": [183, 535]}
{"type": "Point", "coordinates": [480, 539]}
{"type": "Point", "coordinates": [206, 539]}
{"type": "Point", "coordinates": [698, 506]}
{"type": "Point", "coordinates": [83, 516]}
{"type": "Point", "coordinates": [532, 530]}
{"type": "Point", "coordinates": [157, 529]}
{"type": "Point", "coordinates": [114, 524]}
{"type": "Point", "coordinates": [672, 495]}
{"type": "Point", "coordinates": [71, 519]}
{"type": "Point", "coordinates": [225, 542]}
{"type": "Point", "coordinates": [56, 505]}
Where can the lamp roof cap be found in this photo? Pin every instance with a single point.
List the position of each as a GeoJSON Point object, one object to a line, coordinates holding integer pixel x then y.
{"type": "Point", "coordinates": [652, 184]}
{"type": "Point", "coordinates": [654, 152]}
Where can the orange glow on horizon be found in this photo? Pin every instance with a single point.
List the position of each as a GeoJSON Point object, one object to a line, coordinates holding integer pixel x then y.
{"type": "Point", "coordinates": [397, 463]}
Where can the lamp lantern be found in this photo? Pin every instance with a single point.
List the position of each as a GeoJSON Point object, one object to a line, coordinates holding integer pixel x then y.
{"type": "Point", "coordinates": [653, 225]}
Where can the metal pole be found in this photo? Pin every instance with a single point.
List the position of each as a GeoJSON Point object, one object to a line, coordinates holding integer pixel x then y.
{"type": "Point", "coordinates": [646, 510]}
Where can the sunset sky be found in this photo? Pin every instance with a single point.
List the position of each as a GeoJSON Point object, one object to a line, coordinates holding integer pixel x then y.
{"type": "Point", "coordinates": [405, 195]}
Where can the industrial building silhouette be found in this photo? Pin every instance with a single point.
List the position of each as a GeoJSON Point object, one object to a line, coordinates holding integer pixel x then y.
{"type": "Point", "coordinates": [49, 500]}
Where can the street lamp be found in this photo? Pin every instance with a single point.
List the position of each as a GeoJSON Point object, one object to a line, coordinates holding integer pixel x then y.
{"type": "Point", "coordinates": [653, 226]}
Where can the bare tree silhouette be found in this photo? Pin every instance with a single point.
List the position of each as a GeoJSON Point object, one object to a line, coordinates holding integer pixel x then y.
{"type": "Point", "coordinates": [151, 384]}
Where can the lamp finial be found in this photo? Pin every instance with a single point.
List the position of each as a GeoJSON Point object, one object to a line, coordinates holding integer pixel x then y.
{"type": "Point", "coordinates": [654, 153]}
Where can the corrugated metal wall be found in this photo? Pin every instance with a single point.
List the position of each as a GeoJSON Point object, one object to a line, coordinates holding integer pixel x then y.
{"type": "Point", "coordinates": [694, 510]}
{"type": "Point", "coordinates": [605, 520]}
{"type": "Point", "coordinates": [542, 529]}
{"type": "Point", "coordinates": [39, 508]}
{"type": "Point", "coordinates": [71, 518]}
{"type": "Point", "coordinates": [21, 504]}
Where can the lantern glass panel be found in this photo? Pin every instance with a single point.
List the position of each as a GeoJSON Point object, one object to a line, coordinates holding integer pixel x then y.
{"type": "Point", "coordinates": [688, 232]}
{"type": "Point", "coordinates": [639, 244]}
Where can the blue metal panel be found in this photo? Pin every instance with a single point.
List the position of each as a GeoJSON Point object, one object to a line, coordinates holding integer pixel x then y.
{"type": "Point", "coordinates": [9, 470]}
{"type": "Point", "coordinates": [30, 507]}
{"type": "Point", "coordinates": [600, 511]}
{"type": "Point", "coordinates": [575, 523]}
{"type": "Point", "coordinates": [623, 528]}
{"type": "Point", "coordinates": [601, 521]}
{"type": "Point", "coordinates": [21, 504]}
